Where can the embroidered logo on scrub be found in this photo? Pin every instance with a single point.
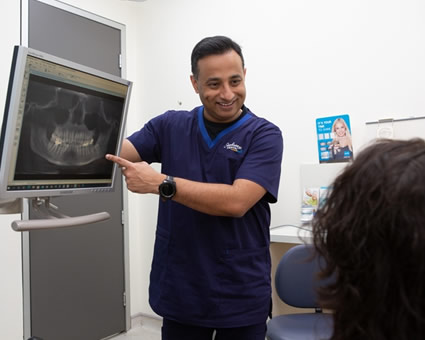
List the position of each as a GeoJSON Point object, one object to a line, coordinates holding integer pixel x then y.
{"type": "Point", "coordinates": [233, 147]}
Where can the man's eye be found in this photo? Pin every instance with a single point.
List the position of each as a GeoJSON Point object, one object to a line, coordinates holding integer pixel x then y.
{"type": "Point", "coordinates": [236, 82]}
{"type": "Point", "coordinates": [213, 85]}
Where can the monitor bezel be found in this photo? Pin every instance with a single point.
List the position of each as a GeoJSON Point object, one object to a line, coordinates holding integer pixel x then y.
{"type": "Point", "coordinates": [19, 59]}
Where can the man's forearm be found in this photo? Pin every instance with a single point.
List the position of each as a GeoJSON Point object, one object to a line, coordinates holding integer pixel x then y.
{"type": "Point", "coordinates": [232, 200]}
{"type": "Point", "coordinates": [219, 199]}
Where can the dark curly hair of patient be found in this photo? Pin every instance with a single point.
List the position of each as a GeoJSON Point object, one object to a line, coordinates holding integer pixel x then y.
{"type": "Point", "coordinates": [371, 233]}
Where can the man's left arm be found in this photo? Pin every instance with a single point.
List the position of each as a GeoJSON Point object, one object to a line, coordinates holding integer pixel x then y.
{"type": "Point", "coordinates": [210, 198]}
{"type": "Point", "coordinates": [219, 199]}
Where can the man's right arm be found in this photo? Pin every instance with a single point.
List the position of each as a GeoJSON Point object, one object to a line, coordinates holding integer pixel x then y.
{"type": "Point", "coordinates": [129, 152]}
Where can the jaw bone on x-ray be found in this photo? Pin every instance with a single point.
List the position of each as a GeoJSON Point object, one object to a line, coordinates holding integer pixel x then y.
{"type": "Point", "coordinates": [67, 128]}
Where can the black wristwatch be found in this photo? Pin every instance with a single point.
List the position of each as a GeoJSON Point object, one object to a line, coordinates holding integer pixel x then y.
{"type": "Point", "coordinates": [167, 189]}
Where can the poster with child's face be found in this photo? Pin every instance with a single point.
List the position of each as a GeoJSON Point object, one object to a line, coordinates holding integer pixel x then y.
{"type": "Point", "coordinates": [334, 139]}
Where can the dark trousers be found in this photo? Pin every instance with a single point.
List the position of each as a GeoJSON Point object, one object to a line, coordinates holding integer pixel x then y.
{"type": "Point", "coordinates": [172, 330]}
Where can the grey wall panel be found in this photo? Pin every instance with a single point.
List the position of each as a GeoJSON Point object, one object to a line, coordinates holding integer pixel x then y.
{"type": "Point", "coordinates": [64, 34]}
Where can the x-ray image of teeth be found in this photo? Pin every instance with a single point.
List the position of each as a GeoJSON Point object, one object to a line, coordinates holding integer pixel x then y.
{"type": "Point", "coordinates": [65, 129]}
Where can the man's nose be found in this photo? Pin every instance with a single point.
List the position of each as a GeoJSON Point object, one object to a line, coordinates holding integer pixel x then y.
{"type": "Point", "coordinates": [226, 92]}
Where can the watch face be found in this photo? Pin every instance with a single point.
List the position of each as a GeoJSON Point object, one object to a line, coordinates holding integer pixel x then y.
{"type": "Point", "coordinates": [167, 189]}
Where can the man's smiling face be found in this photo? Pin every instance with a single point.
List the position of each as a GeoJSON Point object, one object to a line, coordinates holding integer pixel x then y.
{"type": "Point", "coordinates": [221, 86]}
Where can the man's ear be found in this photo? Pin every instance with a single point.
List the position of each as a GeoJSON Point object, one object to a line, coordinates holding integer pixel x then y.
{"type": "Point", "coordinates": [194, 83]}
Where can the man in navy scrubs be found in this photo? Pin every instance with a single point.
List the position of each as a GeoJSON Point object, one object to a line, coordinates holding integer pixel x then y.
{"type": "Point", "coordinates": [220, 169]}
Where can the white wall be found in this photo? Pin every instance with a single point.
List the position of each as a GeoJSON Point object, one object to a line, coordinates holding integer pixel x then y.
{"type": "Point", "coordinates": [305, 59]}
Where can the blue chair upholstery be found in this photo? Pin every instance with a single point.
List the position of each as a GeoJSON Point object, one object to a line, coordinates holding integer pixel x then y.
{"type": "Point", "coordinates": [296, 283]}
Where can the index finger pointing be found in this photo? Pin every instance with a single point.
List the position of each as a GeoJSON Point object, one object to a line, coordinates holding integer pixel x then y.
{"type": "Point", "coordinates": [120, 161]}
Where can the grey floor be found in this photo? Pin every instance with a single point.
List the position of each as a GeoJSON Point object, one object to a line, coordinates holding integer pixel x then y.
{"type": "Point", "coordinates": [146, 329]}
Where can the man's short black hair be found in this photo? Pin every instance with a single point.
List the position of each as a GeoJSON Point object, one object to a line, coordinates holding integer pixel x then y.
{"type": "Point", "coordinates": [213, 46]}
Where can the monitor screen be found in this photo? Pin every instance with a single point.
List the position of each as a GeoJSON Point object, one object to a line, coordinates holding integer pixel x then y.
{"type": "Point", "coordinates": [60, 120]}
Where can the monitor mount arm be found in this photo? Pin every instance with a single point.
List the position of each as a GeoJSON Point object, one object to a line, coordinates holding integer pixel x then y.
{"type": "Point", "coordinates": [54, 218]}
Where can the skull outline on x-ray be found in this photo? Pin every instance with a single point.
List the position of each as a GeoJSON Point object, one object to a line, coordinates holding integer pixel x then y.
{"type": "Point", "coordinates": [71, 128]}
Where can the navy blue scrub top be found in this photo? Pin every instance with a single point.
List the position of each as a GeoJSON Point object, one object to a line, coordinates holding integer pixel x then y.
{"type": "Point", "coordinates": [208, 270]}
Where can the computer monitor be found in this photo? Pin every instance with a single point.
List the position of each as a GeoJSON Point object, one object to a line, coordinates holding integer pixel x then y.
{"type": "Point", "coordinates": [60, 120]}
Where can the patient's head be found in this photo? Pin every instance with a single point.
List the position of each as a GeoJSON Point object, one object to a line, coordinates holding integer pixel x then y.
{"type": "Point", "coordinates": [371, 231]}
